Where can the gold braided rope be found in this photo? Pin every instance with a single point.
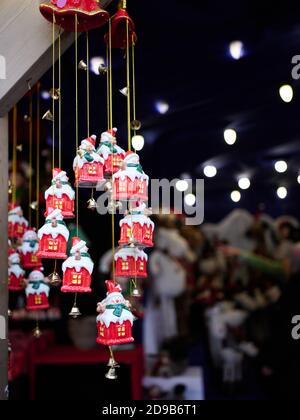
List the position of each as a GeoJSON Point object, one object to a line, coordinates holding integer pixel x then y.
{"type": "Point", "coordinates": [30, 158]}
{"type": "Point", "coordinates": [128, 86]}
{"type": "Point", "coordinates": [133, 82]}
{"type": "Point", "coordinates": [108, 86]}
{"type": "Point", "coordinates": [88, 84]}
{"type": "Point", "coordinates": [110, 78]}
{"type": "Point", "coordinates": [60, 101]}
{"type": "Point", "coordinates": [38, 140]}
{"type": "Point", "coordinates": [14, 166]}
{"type": "Point", "coordinates": [53, 89]}
{"type": "Point", "coordinates": [76, 130]}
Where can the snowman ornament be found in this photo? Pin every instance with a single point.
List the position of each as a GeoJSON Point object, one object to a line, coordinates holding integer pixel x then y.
{"type": "Point", "coordinates": [37, 291]}
{"type": "Point", "coordinates": [15, 272]}
{"type": "Point", "coordinates": [29, 249]}
{"type": "Point", "coordinates": [112, 154]}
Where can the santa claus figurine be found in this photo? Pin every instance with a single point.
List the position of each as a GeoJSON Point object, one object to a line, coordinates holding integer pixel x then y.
{"type": "Point", "coordinates": [29, 249]}
{"type": "Point", "coordinates": [15, 272]}
{"type": "Point", "coordinates": [37, 291]}
{"type": "Point", "coordinates": [112, 154]}
{"type": "Point", "coordinates": [17, 224]}
{"type": "Point", "coordinates": [60, 195]}
{"type": "Point", "coordinates": [78, 269]}
{"type": "Point", "coordinates": [53, 236]}
{"type": "Point", "coordinates": [88, 165]}
{"type": "Point", "coordinates": [131, 182]}
{"type": "Point", "coordinates": [136, 227]}
{"type": "Point", "coordinates": [115, 321]}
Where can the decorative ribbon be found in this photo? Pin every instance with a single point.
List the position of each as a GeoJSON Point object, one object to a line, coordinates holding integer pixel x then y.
{"type": "Point", "coordinates": [118, 309]}
{"type": "Point", "coordinates": [137, 166]}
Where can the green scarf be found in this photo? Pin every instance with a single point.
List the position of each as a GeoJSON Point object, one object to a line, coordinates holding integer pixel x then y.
{"type": "Point", "coordinates": [88, 157]}
{"type": "Point", "coordinates": [137, 166]}
{"type": "Point", "coordinates": [118, 309]}
{"type": "Point", "coordinates": [59, 222]}
{"type": "Point", "coordinates": [109, 145]}
{"type": "Point", "coordinates": [36, 284]}
{"type": "Point", "coordinates": [32, 243]}
{"type": "Point", "coordinates": [82, 254]}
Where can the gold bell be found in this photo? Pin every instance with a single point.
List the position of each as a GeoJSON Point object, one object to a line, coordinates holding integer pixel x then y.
{"type": "Point", "coordinates": [55, 94]}
{"type": "Point", "coordinates": [136, 125]}
{"type": "Point", "coordinates": [54, 279]}
{"type": "Point", "coordinates": [102, 70]}
{"type": "Point", "coordinates": [20, 148]}
{"type": "Point", "coordinates": [80, 153]}
{"type": "Point", "coordinates": [82, 66]}
{"type": "Point", "coordinates": [34, 205]}
{"type": "Point", "coordinates": [48, 116]}
{"type": "Point", "coordinates": [112, 363]}
{"type": "Point", "coordinates": [111, 374]}
{"type": "Point", "coordinates": [75, 312]}
{"type": "Point", "coordinates": [92, 204]}
{"type": "Point", "coordinates": [124, 91]}
{"type": "Point", "coordinates": [27, 118]}
{"type": "Point", "coordinates": [136, 293]}
{"type": "Point", "coordinates": [37, 332]}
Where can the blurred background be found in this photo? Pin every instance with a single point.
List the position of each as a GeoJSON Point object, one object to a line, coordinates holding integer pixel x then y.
{"type": "Point", "coordinates": [218, 100]}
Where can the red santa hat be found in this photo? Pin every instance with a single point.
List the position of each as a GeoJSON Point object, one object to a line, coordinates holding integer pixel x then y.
{"type": "Point", "coordinates": [37, 274]}
{"type": "Point", "coordinates": [90, 141]}
{"type": "Point", "coordinates": [131, 157]}
{"type": "Point", "coordinates": [109, 135]}
{"type": "Point", "coordinates": [58, 174]}
{"type": "Point", "coordinates": [112, 287]}
{"type": "Point", "coordinates": [77, 244]}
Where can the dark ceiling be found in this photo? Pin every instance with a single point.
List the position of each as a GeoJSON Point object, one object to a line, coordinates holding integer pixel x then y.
{"type": "Point", "coordinates": [182, 58]}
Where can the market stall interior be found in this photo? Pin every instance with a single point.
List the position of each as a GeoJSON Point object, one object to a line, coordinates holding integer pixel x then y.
{"type": "Point", "coordinates": [134, 300]}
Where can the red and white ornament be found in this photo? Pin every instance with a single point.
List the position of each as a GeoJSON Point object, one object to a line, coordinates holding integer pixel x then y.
{"type": "Point", "coordinates": [131, 182]}
{"type": "Point", "coordinates": [78, 269]}
{"type": "Point", "coordinates": [88, 165]}
{"type": "Point", "coordinates": [112, 154]}
{"type": "Point", "coordinates": [114, 324]}
{"type": "Point", "coordinates": [29, 249]}
{"type": "Point", "coordinates": [37, 291]}
{"type": "Point", "coordinates": [53, 237]}
{"type": "Point", "coordinates": [60, 195]}
{"type": "Point", "coordinates": [17, 224]}
{"type": "Point", "coordinates": [15, 272]}
{"type": "Point", "coordinates": [131, 262]}
{"type": "Point", "coordinates": [137, 227]}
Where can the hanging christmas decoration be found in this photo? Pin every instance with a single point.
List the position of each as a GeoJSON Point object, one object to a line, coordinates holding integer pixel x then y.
{"type": "Point", "coordinates": [53, 236]}
{"type": "Point", "coordinates": [88, 12]}
{"type": "Point", "coordinates": [112, 154]}
{"type": "Point", "coordinates": [136, 227]}
{"type": "Point", "coordinates": [119, 29]}
{"type": "Point", "coordinates": [17, 224]}
{"type": "Point", "coordinates": [88, 165]}
{"type": "Point", "coordinates": [78, 269]}
{"type": "Point", "coordinates": [131, 262]}
{"type": "Point", "coordinates": [37, 291]}
{"type": "Point", "coordinates": [29, 250]}
{"type": "Point", "coordinates": [60, 195]}
{"type": "Point", "coordinates": [115, 321]}
{"type": "Point", "coordinates": [130, 182]}
{"type": "Point", "coordinates": [15, 272]}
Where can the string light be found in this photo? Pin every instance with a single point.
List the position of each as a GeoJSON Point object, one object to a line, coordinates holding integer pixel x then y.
{"type": "Point", "coordinates": [190, 199]}
{"type": "Point", "coordinates": [298, 179]}
{"type": "Point", "coordinates": [235, 196]}
{"type": "Point", "coordinates": [210, 171]}
{"type": "Point", "coordinates": [182, 185]}
{"type": "Point", "coordinates": [282, 193]}
{"type": "Point", "coordinates": [230, 136]}
{"type": "Point", "coordinates": [138, 142]}
{"type": "Point", "coordinates": [162, 107]}
{"type": "Point", "coordinates": [286, 93]}
{"type": "Point", "coordinates": [281, 166]}
{"type": "Point", "coordinates": [244, 183]}
{"type": "Point", "coordinates": [236, 49]}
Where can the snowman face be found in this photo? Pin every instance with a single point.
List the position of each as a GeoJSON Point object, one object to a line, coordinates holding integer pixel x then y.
{"type": "Point", "coordinates": [31, 236]}
{"type": "Point", "coordinates": [117, 299]}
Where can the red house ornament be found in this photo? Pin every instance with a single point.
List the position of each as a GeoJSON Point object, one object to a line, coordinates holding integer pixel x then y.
{"type": "Point", "coordinates": [130, 182]}
{"type": "Point", "coordinates": [53, 237]}
{"type": "Point", "coordinates": [60, 195]}
{"type": "Point", "coordinates": [88, 165]}
{"type": "Point", "coordinates": [115, 320]}
{"type": "Point", "coordinates": [17, 224]}
{"type": "Point", "coordinates": [119, 30]}
{"type": "Point", "coordinates": [137, 228]}
{"type": "Point", "coordinates": [78, 269]}
{"type": "Point", "coordinates": [29, 249]}
{"type": "Point", "coordinates": [89, 14]}
{"type": "Point", "coordinates": [37, 291]}
{"type": "Point", "coordinates": [15, 272]}
{"type": "Point", "coordinates": [131, 262]}
{"type": "Point", "coordinates": [112, 154]}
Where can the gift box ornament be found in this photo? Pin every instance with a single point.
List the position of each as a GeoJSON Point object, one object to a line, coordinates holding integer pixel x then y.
{"type": "Point", "coordinates": [53, 236]}
{"type": "Point", "coordinates": [60, 195]}
{"type": "Point", "coordinates": [115, 320]}
{"type": "Point", "coordinates": [78, 269]}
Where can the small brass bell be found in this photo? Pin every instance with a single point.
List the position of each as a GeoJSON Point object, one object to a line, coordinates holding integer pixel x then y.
{"type": "Point", "coordinates": [111, 374]}
{"type": "Point", "coordinates": [124, 91]}
{"type": "Point", "coordinates": [136, 125]}
{"type": "Point", "coordinates": [10, 188]}
{"type": "Point", "coordinates": [27, 118]}
{"type": "Point", "coordinates": [34, 205]}
{"type": "Point", "coordinates": [102, 70]}
{"type": "Point", "coordinates": [20, 148]}
{"type": "Point", "coordinates": [37, 332]}
{"type": "Point", "coordinates": [80, 153]}
{"type": "Point", "coordinates": [75, 312]}
{"type": "Point", "coordinates": [82, 66]}
{"type": "Point", "coordinates": [112, 363]}
{"type": "Point", "coordinates": [136, 293]}
{"type": "Point", "coordinates": [92, 204]}
{"type": "Point", "coordinates": [48, 116]}
{"type": "Point", "coordinates": [54, 279]}
{"type": "Point", "coordinates": [55, 94]}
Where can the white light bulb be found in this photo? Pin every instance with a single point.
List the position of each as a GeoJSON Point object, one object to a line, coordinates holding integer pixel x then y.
{"type": "Point", "coordinates": [236, 49]}
{"type": "Point", "coordinates": [182, 185]}
{"type": "Point", "coordinates": [244, 183]}
{"type": "Point", "coordinates": [286, 93]}
{"type": "Point", "coordinates": [190, 199]}
{"type": "Point", "coordinates": [282, 192]}
{"type": "Point", "coordinates": [138, 142]}
{"type": "Point", "coordinates": [298, 179]}
{"type": "Point", "coordinates": [281, 166]}
{"type": "Point", "coordinates": [230, 136]}
{"type": "Point", "coordinates": [210, 171]}
{"type": "Point", "coordinates": [235, 196]}
{"type": "Point", "coordinates": [162, 107]}
{"type": "Point", "coordinates": [95, 63]}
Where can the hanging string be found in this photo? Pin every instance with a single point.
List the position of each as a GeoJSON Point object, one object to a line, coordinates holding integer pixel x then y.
{"type": "Point", "coordinates": [128, 85]}
{"type": "Point", "coordinates": [30, 158]}
{"type": "Point", "coordinates": [133, 82]}
{"type": "Point", "coordinates": [76, 116]}
{"type": "Point", "coordinates": [14, 165]}
{"type": "Point", "coordinates": [110, 78]}
{"type": "Point", "coordinates": [88, 84]}
{"type": "Point", "coordinates": [53, 90]}
{"type": "Point", "coordinates": [38, 140]}
{"type": "Point", "coordinates": [108, 86]}
{"type": "Point", "coordinates": [59, 99]}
